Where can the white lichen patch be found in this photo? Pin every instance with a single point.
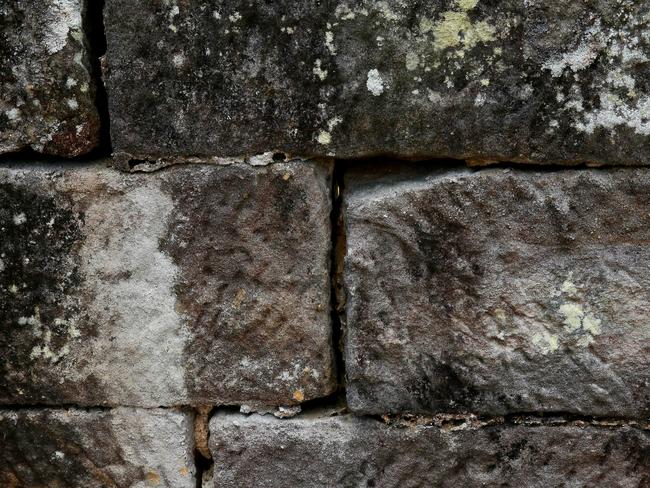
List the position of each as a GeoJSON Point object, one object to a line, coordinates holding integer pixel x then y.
{"type": "Point", "coordinates": [615, 112]}
{"type": "Point", "coordinates": [19, 219]}
{"type": "Point", "coordinates": [64, 15]}
{"type": "Point", "coordinates": [329, 42]}
{"type": "Point", "coordinates": [576, 60]}
{"type": "Point", "coordinates": [45, 349]}
{"type": "Point", "coordinates": [619, 105]}
{"type": "Point", "coordinates": [386, 11]}
{"type": "Point", "coordinates": [319, 71]}
{"type": "Point", "coordinates": [412, 61]}
{"type": "Point", "coordinates": [178, 60]}
{"type": "Point", "coordinates": [13, 114]}
{"type": "Point", "coordinates": [375, 83]}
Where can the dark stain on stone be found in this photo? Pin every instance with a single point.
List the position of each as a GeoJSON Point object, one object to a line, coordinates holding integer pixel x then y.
{"type": "Point", "coordinates": [41, 451]}
{"type": "Point", "coordinates": [234, 276]}
{"type": "Point", "coordinates": [37, 282]}
{"type": "Point", "coordinates": [440, 387]}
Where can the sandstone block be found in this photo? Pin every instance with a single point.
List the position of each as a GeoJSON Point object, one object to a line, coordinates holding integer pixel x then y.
{"type": "Point", "coordinates": [120, 448]}
{"type": "Point", "coordinates": [536, 81]}
{"type": "Point", "coordinates": [350, 451]}
{"type": "Point", "coordinates": [498, 291]}
{"type": "Point", "coordinates": [47, 92]}
{"type": "Point", "coordinates": [197, 284]}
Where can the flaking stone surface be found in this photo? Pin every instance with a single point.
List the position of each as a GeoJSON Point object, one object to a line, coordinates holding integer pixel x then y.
{"type": "Point", "coordinates": [353, 451]}
{"type": "Point", "coordinates": [196, 285]}
{"type": "Point", "coordinates": [47, 92]}
{"type": "Point", "coordinates": [120, 448]}
{"type": "Point", "coordinates": [541, 81]}
{"type": "Point", "coordinates": [497, 291]}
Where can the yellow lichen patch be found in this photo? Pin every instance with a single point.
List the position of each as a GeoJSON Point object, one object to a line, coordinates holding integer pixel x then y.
{"type": "Point", "coordinates": [184, 471]}
{"type": "Point", "coordinates": [466, 4]}
{"type": "Point", "coordinates": [576, 319]}
{"type": "Point", "coordinates": [591, 324]}
{"type": "Point", "coordinates": [324, 138]}
{"type": "Point", "coordinates": [298, 395]}
{"type": "Point", "coordinates": [573, 314]}
{"type": "Point", "coordinates": [152, 478]}
{"type": "Point", "coordinates": [456, 28]}
{"type": "Point", "coordinates": [546, 341]}
{"type": "Point", "coordinates": [499, 314]}
{"type": "Point", "coordinates": [568, 287]}
{"type": "Point", "coordinates": [239, 298]}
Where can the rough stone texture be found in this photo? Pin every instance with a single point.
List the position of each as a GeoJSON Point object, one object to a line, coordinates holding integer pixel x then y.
{"type": "Point", "coordinates": [96, 449]}
{"type": "Point", "coordinates": [519, 80]}
{"type": "Point", "coordinates": [201, 284]}
{"type": "Point", "coordinates": [361, 452]}
{"type": "Point", "coordinates": [498, 291]}
{"type": "Point", "coordinates": [47, 93]}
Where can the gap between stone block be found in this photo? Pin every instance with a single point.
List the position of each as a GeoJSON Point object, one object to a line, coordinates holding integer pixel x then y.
{"type": "Point", "coordinates": [93, 25]}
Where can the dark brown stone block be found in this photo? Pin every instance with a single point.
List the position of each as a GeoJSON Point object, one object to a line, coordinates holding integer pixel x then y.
{"type": "Point", "coordinates": [529, 81]}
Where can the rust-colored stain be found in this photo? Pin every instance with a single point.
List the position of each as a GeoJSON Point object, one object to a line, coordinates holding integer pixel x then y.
{"type": "Point", "coordinates": [298, 395]}
{"type": "Point", "coordinates": [152, 478]}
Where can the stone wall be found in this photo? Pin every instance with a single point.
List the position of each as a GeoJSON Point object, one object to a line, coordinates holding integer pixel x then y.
{"type": "Point", "coordinates": [324, 243]}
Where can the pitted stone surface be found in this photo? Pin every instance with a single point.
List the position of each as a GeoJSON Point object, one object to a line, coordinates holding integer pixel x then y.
{"type": "Point", "coordinates": [196, 285]}
{"type": "Point", "coordinates": [521, 80]}
{"type": "Point", "coordinates": [120, 448]}
{"type": "Point", "coordinates": [47, 93]}
{"type": "Point", "coordinates": [497, 291]}
{"type": "Point", "coordinates": [352, 451]}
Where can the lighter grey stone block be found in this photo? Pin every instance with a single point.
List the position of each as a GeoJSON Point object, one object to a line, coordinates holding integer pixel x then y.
{"type": "Point", "coordinates": [498, 291]}
{"type": "Point", "coordinates": [351, 451]}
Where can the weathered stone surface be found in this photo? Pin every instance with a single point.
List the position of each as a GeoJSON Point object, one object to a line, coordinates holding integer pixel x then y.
{"type": "Point", "coordinates": [119, 448]}
{"type": "Point", "coordinates": [197, 284]}
{"type": "Point", "coordinates": [519, 80]}
{"type": "Point", "coordinates": [498, 291]}
{"type": "Point", "coordinates": [47, 93]}
{"type": "Point", "coordinates": [348, 451]}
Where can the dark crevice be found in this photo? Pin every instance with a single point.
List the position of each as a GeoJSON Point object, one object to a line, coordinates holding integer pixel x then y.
{"type": "Point", "coordinates": [28, 155]}
{"type": "Point", "coordinates": [93, 23]}
{"type": "Point", "coordinates": [335, 403]}
{"type": "Point", "coordinates": [203, 462]}
{"type": "Point", "coordinates": [58, 406]}
{"type": "Point", "coordinates": [337, 306]}
{"type": "Point", "coordinates": [444, 162]}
